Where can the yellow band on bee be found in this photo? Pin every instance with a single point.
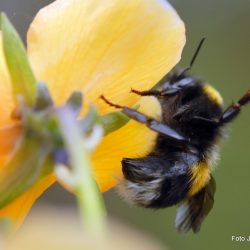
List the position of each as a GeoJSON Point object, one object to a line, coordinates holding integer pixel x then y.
{"type": "Point", "coordinates": [213, 94]}
{"type": "Point", "coordinates": [200, 176]}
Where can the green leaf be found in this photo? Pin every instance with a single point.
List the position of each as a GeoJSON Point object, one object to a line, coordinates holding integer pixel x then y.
{"type": "Point", "coordinates": [23, 79]}
{"type": "Point", "coordinates": [28, 164]}
{"type": "Point", "coordinates": [113, 121]}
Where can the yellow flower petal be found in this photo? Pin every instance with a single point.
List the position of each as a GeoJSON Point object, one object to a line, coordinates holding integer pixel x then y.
{"type": "Point", "coordinates": [9, 136]}
{"type": "Point", "coordinates": [7, 101]}
{"type": "Point", "coordinates": [133, 140]}
{"type": "Point", "coordinates": [104, 47]}
{"type": "Point", "coordinates": [9, 133]}
{"type": "Point", "coordinates": [99, 47]}
{"type": "Point", "coordinates": [18, 209]}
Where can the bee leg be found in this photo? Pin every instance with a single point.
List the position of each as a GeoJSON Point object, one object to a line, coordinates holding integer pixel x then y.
{"type": "Point", "coordinates": [205, 121]}
{"type": "Point", "coordinates": [158, 93]}
{"type": "Point", "coordinates": [147, 92]}
{"type": "Point", "coordinates": [232, 111]}
{"type": "Point", "coordinates": [150, 122]}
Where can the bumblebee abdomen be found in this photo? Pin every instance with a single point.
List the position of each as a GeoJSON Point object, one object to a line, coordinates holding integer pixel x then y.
{"type": "Point", "coordinates": [199, 177]}
{"type": "Point", "coordinates": [174, 189]}
{"type": "Point", "coordinates": [155, 182]}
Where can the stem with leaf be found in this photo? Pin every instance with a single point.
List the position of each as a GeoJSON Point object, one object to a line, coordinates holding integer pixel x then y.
{"type": "Point", "coordinates": [90, 201]}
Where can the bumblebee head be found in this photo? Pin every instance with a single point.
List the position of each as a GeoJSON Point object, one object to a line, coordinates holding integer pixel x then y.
{"type": "Point", "coordinates": [192, 107]}
{"type": "Point", "coordinates": [188, 95]}
{"type": "Point", "coordinates": [180, 83]}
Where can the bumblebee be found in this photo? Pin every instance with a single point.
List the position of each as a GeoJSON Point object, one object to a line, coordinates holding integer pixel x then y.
{"type": "Point", "coordinates": [178, 169]}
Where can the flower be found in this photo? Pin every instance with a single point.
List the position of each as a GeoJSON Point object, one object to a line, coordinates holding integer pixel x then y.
{"type": "Point", "coordinates": [96, 47]}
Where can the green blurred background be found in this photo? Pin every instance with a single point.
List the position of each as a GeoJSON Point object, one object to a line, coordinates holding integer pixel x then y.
{"type": "Point", "coordinates": [224, 62]}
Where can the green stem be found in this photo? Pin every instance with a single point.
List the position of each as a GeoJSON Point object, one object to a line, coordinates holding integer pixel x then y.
{"type": "Point", "coordinates": [90, 201]}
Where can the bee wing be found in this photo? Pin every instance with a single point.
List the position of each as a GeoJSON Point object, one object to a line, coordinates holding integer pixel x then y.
{"type": "Point", "coordinates": [194, 210]}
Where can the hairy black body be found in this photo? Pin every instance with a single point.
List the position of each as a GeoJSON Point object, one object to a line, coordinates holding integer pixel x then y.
{"type": "Point", "coordinates": [178, 169]}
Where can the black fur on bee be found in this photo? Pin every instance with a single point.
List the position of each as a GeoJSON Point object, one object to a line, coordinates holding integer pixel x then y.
{"type": "Point", "coordinates": [178, 169]}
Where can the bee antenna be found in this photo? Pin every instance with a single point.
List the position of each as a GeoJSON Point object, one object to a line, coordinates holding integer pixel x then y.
{"type": "Point", "coordinates": [196, 53]}
{"type": "Point", "coordinates": [193, 58]}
